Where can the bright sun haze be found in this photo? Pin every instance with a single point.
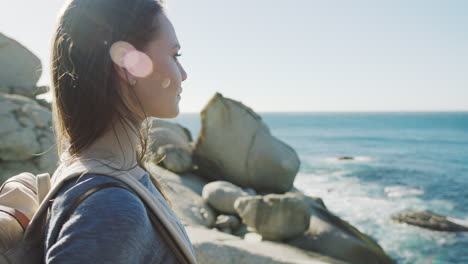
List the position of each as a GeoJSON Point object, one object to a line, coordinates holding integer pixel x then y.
{"type": "Point", "coordinates": [305, 55]}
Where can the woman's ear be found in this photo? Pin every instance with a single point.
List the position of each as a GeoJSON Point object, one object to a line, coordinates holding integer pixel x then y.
{"type": "Point", "coordinates": [124, 75]}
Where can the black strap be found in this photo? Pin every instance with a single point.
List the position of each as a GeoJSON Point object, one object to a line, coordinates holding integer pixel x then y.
{"type": "Point", "coordinates": [154, 218]}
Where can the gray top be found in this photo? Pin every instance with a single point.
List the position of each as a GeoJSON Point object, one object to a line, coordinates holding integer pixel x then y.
{"type": "Point", "coordinates": [110, 226]}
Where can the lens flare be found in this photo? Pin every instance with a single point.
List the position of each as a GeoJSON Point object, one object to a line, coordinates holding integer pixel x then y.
{"type": "Point", "coordinates": [118, 51]}
{"type": "Point", "coordinates": [128, 57]}
{"type": "Point", "coordinates": [138, 63]}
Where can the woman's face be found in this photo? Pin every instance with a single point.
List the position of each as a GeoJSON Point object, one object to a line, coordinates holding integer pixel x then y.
{"type": "Point", "coordinates": [159, 85]}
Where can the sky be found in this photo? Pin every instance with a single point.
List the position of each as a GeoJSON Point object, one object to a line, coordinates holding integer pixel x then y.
{"type": "Point", "coordinates": [301, 55]}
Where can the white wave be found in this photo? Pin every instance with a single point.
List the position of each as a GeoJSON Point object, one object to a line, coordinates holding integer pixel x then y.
{"type": "Point", "coordinates": [402, 191]}
{"type": "Point", "coordinates": [363, 158]}
{"type": "Point", "coordinates": [461, 222]}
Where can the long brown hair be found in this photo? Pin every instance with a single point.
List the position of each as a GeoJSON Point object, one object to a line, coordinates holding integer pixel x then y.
{"type": "Point", "coordinates": [87, 97]}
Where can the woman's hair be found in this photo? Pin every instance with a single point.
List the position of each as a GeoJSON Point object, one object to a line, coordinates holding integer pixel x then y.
{"type": "Point", "coordinates": [87, 97]}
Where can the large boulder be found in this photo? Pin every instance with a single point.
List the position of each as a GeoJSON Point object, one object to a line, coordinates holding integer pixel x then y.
{"type": "Point", "coordinates": [176, 159]}
{"type": "Point", "coordinates": [331, 236]}
{"type": "Point", "coordinates": [275, 216]}
{"type": "Point", "coordinates": [20, 69]}
{"type": "Point", "coordinates": [170, 146]}
{"type": "Point", "coordinates": [221, 195]}
{"type": "Point", "coordinates": [431, 220]}
{"type": "Point", "coordinates": [165, 132]}
{"type": "Point", "coordinates": [213, 247]}
{"type": "Point", "coordinates": [235, 145]}
{"type": "Point", "coordinates": [187, 203]}
{"type": "Point", "coordinates": [27, 141]}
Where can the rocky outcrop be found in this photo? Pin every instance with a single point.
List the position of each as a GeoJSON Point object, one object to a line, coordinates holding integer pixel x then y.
{"type": "Point", "coordinates": [188, 205]}
{"type": "Point", "coordinates": [170, 146]}
{"type": "Point", "coordinates": [221, 195]}
{"type": "Point", "coordinates": [329, 235]}
{"type": "Point", "coordinates": [214, 247]}
{"type": "Point", "coordinates": [27, 142]}
{"type": "Point", "coordinates": [21, 69]}
{"type": "Point", "coordinates": [430, 220]}
{"type": "Point", "coordinates": [274, 216]}
{"type": "Point", "coordinates": [324, 235]}
{"type": "Point", "coordinates": [235, 145]}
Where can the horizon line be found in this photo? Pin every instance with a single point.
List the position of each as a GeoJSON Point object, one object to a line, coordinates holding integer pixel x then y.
{"type": "Point", "coordinates": [352, 111]}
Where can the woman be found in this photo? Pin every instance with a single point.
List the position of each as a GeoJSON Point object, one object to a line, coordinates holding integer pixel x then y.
{"type": "Point", "coordinates": [114, 63]}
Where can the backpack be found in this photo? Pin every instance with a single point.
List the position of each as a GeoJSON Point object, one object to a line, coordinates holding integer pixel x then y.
{"type": "Point", "coordinates": [25, 200]}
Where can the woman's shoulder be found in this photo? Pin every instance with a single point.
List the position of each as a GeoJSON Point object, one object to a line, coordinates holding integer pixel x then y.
{"type": "Point", "coordinates": [110, 206]}
{"type": "Point", "coordinates": [76, 187]}
{"type": "Point", "coordinates": [110, 219]}
{"type": "Point", "coordinates": [109, 198]}
{"type": "Point", "coordinates": [107, 206]}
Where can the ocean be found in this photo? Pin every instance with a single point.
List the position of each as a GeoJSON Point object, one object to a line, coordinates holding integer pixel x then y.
{"type": "Point", "coordinates": [402, 161]}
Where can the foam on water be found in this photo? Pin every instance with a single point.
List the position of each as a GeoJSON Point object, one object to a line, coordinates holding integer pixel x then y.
{"type": "Point", "coordinates": [400, 191]}
{"type": "Point", "coordinates": [369, 207]}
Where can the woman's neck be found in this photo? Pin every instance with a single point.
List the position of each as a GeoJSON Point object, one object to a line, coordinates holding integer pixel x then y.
{"type": "Point", "coordinates": [117, 145]}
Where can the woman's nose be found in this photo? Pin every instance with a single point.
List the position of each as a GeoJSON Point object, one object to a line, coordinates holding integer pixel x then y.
{"type": "Point", "coordinates": [184, 73]}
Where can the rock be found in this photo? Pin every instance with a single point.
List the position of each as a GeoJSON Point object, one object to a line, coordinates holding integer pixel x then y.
{"type": "Point", "coordinates": [316, 202]}
{"type": "Point", "coordinates": [235, 145]}
{"type": "Point", "coordinates": [430, 220]}
{"type": "Point", "coordinates": [212, 246]}
{"type": "Point", "coordinates": [253, 237]}
{"type": "Point", "coordinates": [313, 201]}
{"type": "Point", "coordinates": [165, 132]}
{"type": "Point", "coordinates": [176, 159]}
{"type": "Point", "coordinates": [250, 191]}
{"type": "Point", "coordinates": [21, 69]}
{"type": "Point", "coordinates": [242, 230]}
{"type": "Point", "coordinates": [227, 221]}
{"type": "Point", "coordinates": [329, 235]}
{"type": "Point", "coordinates": [176, 152]}
{"type": "Point", "coordinates": [221, 195]}
{"type": "Point", "coordinates": [187, 134]}
{"type": "Point", "coordinates": [188, 205]}
{"type": "Point", "coordinates": [225, 230]}
{"type": "Point", "coordinates": [194, 182]}
{"type": "Point", "coordinates": [275, 216]}
{"type": "Point", "coordinates": [345, 158]}
{"type": "Point", "coordinates": [44, 103]}
{"type": "Point", "coordinates": [27, 141]}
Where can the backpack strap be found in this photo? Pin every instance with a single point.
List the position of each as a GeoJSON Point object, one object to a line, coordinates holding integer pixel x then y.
{"type": "Point", "coordinates": [43, 186]}
{"type": "Point", "coordinates": [153, 218]}
{"type": "Point", "coordinates": [21, 218]}
{"type": "Point", "coordinates": [79, 167]}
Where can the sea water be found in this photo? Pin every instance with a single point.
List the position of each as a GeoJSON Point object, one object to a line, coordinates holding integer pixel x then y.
{"type": "Point", "coordinates": [401, 161]}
